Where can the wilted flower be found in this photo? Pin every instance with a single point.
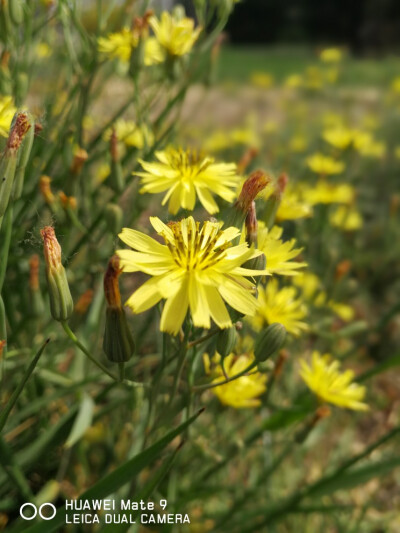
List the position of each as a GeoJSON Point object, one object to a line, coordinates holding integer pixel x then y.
{"type": "Point", "coordinates": [196, 268]}
{"type": "Point", "coordinates": [324, 378]}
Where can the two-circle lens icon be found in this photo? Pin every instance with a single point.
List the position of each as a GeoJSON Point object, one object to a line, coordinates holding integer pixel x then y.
{"type": "Point", "coordinates": [35, 511]}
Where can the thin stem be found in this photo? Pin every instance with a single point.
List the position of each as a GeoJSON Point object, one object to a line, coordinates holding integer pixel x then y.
{"type": "Point", "coordinates": [198, 388]}
{"type": "Point", "coordinates": [202, 339]}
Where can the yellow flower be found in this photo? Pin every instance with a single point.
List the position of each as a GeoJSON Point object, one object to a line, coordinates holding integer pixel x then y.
{"type": "Point", "coordinates": [324, 378]}
{"type": "Point", "coordinates": [279, 254]}
{"type": "Point", "coordinates": [279, 305]}
{"type": "Point", "coordinates": [293, 206]}
{"type": "Point", "coordinates": [262, 79]}
{"type": "Point", "coordinates": [185, 174]}
{"type": "Point", "coordinates": [346, 218]}
{"type": "Point", "coordinates": [331, 55]}
{"type": "Point", "coordinates": [298, 143]}
{"type": "Point", "coordinates": [120, 45]}
{"type": "Point", "coordinates": [339, 137]}
{"type": "Point", "coordinates": [326, 193]}
{"type": "Point", "coordinates": [7, 111]}
{"type": "Point", "coordinates": [131, 134]}
{"type": "Point", "coordinates": [373, 149]}
{"type": "Point", "coordinates": [244, 391]}
{"type": "Point", "coordinates": [196, 268]}
{"type": "Point", "coordinates": [294, 81]}
{"type": "Point", "coordinates": [247, 136]}
{"type": "Point", "coordinates": [344, 311]}
{"type": "Point", "coordinates": [219, 140]}
{"type": "Point", "coordinates": [43, 50]}
{"type": "Point", "coordinates": [324, 165]}
{"type": "Point", "coordinates": [395, 86]}
{"type": "Point", "coordinates": [309, 284]}
{"type": "Point", "coordinates": [176, 35]}
{"type": "Point", "coordinates": [314, 78]}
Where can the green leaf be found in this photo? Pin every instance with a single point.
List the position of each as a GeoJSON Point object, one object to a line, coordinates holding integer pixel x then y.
{"type": "Point", "coordinates": [82, 421]}
{"type": "Point", "coordinates": [351, 478]}
{"type": "Point", "coordinates": [115, 479]}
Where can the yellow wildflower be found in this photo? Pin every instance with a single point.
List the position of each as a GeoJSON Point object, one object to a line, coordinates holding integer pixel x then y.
{"type": "Point", "coordinates": [131, 134]}
{"type": "Point", "coordinates": [262, 79]}
{"type": "Point", "coordinates": [43, 50]}
{"type": "Point", "coordinates": [298, 143]}
{"type": "Point", "coordinates": [120, 45]}
{"type": "Point", "coordinates": [331, 55]}
{"type": "Point", "coordinates": [324, 165]}
{"type": "Point", "coordinates": [373, 149]}
{"type": "Point", "coordinates": [196, 268]}
{"type": "Point", "coordinates": [279, 254]}
{"type": "Point", "coordinates": [346, 218]}
{"type": "Point", "coordinates": [247, 136]}
{"type": "Point", "coordinates": [7, 111]}
{"type": "Point", "coordinates": [309, 283]}
{"type": "Point", "coordinates": [327, 193]}
{"type": "Point", "coordinates": [293, 206]}
{"type": "Point", "coordinates": [279, 305]}
{"type": "Point", "coordinates": [344, 311]}
{"type": "Point", "coordinates": [395, 86]}
{"type": "Point", "coordinates": [176, 35]}
{"type": "Point", "coordinates": [185, 174]}
{"type": "Point", "coordinates": [325, 379]}
{"type": "Point", "coordinates": [219, 140]}
{"type": "Point", "coordinates": [339, 137]}
{"type": "Point", "coordinates": [244, 391]}
{"type": "Point", "coordinates": [314, 78]}
{"type": "Point", "coordinates": [294, 81]}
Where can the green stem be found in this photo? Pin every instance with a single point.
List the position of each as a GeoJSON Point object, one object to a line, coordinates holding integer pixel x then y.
{"type": "Point", "coordinates": [14, 397]}
{"type": "Point", "coordinates": [14, 472]}
{"type": "Point", "coordinates": [6, 245]}
{"type": "Point", "coordinates": [198, 388]}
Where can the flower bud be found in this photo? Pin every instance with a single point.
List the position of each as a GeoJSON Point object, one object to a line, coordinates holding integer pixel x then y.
{"type": "Point", "coordinates": [226, 341]}
{"type": "Point", "coordinates": [118, 343]}
{"type": "Point", "coordinates": [80, 157]}
{"type": "Point", "coordinates": [269, 341]}
{"type": "Point", "coordinates": [61, 303]}
{"type": "Point", "coordinates": [8, 165]}
{"type": "Point", "coordinates": [113, 215]}
{"type": "Point", "coordinates": [255, 183]}
{"type": "Point", "coordinates": [45, 190]}
{"type": "Point", "coordinates": [16, 12]}
{"type": "Point", "coordinates": [23, 157]}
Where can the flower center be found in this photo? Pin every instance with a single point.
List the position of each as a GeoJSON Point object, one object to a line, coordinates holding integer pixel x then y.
{"type": "Point", "coordinates": [195, 248]}
{"type": "Point", "coordinates": [189, 163]}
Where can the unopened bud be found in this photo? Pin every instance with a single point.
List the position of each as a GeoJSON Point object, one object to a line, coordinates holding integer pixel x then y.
{"type": "Point", "coordinates": [8, 165]}
{"type": "Point", "coordinates": [342, 268]}
{"type": "Point", "coordinates": [16, 12]}
{"type": "Point", "coordinates": [226, 341]}
{"type": "Point", "coordinates": [68, 202]}
{"type": "Point", "coordinates": [114, 217]}
{"type": "Point", "coordinates": [45, 189]}
{"type": "Point", "coordinates": [269, 341]}
{"type": "Point", "coordinates": [118, 343]}
{"type": "Point", "coordinates": [61, 303]}
{"type": "Point", "coordinates": [80, 157]}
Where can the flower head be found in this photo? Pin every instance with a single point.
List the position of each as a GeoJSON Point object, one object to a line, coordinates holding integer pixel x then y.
{"type": "Point", "coordinates": [119, 45]}
{"type": "Point", "coordinates": [279, 254]}
{"type": "Point", "coordinates": [324, 378]}
{"type": "Point", "coordinates": [346, 218]}
{"type": "Point", "coordinates": [185, 174]}
{"type": "Point", "coordinates": [280, 305]}
{"type": "Point", "coordinates": [7, 111]}
{"type": "Point", "coordinates": [244, 391]}
{"type": "Point", "coordinates": [196, 268]}
{"type": "Point", "coordinates": [339, 137]}
{"type": "Point", "coordinates": [131, 134]}
{"type": "Point", "coordinates": [324, 165]}
{"type": "Point", "coordinates": [175, 35]}
{"type": "Point", "coordinates": [328, 193]}
{"type": "Point", "coordinates": [331, 55]}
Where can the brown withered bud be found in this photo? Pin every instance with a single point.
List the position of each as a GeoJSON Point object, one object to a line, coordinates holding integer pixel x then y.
{"type": "Point", "coordinates": [68, 202]}
{"type": "Point", "coordinates": [281, 184]}
{"type": "Point", "coordinates": [255, 183]}
{"type": "Point", "coordinates": [38, 128]}
{"type": "Point", "coordinates": [111, 287]}
{"type": "Point", "coordinates": [140, 25]}
{"type": "Point", "coordinates": [34, 272]}
{"type": "Point", "coordinates": [19, 130]}
{"type": "Point", "coordinates": [280, 363]}
{"type": "Point", "coordinates": [251, 225]}
{"type": "Point", "coordinates": [80, 157]}
{"type": "Point", "coordinates": [83, 302]}
{"type": "Point", "coordinates": [45, 189]}
{"type": "Point", "coordinates": [5, 59]}
{"type": "Point", "coordinates": [2, 345]}
{"type": "Point", "coordinates": [246, 159]}
{"type": "Point", "coordinates": [342, 268]}
{"type": "Point", "coordinates": [118, 343]}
